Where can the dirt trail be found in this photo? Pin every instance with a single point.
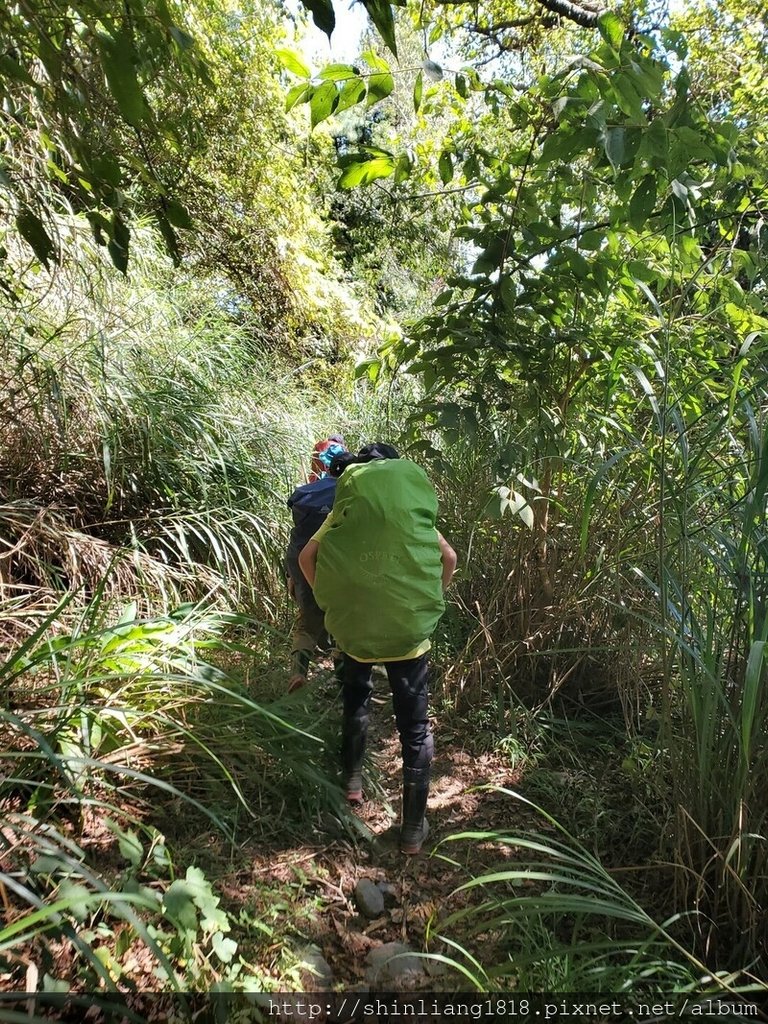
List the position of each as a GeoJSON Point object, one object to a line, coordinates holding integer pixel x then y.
{"type": "Point", "coordinates": [424, 886]}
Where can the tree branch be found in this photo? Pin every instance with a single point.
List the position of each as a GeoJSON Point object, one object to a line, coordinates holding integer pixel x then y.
{"type": "Point", "coordinates": [584, 16]}
{"type": "Point", "coordinates": [584, 13]}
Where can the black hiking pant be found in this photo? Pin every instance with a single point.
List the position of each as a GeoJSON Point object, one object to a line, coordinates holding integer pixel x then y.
{"type": "Point", "coordinates": [409, 683]}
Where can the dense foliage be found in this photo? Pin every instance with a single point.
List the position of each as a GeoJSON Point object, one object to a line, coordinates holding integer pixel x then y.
{"type": "Point", "coordinates": [526, 240]}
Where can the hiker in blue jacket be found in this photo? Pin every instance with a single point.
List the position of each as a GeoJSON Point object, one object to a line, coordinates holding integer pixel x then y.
{"type": "Point", "coordinates": [310, 503]}
{"type": "Point", "coordinates": [379, 567]}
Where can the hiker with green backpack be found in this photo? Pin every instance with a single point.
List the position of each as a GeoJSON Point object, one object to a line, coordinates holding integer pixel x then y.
{"type": "Point", "coordinates": [378, 568]}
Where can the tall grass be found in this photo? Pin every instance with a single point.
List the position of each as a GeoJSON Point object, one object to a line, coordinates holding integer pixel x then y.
{"type": "Point", "coordinates": [657, 556]}
{"type": "Point", "coordinates": [713, 618]}
{"type": "Point", "coordinates": [558, 921]}
{"type": "Point", "coordinates": [148, 441]}
{"type": "Point", "coordinates": [149, 417]}
{"type": "Point", "coordinates": [107, 723]}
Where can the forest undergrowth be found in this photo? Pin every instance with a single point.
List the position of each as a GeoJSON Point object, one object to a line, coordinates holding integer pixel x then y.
{"type": "Point", "coordinates": [544, 286]}
{"type": "Point", "coordinates": [173, 818]}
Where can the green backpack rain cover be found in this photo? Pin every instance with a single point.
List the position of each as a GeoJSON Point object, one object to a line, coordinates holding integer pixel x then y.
{"type": "Point", "coordinates": [379, 568]}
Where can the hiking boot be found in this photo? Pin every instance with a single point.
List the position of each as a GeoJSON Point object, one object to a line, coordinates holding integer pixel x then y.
{"type": "Point", "coordinates": [354, 732]}
{"type": "Point", "coordinates": [300, 662]}
{"type": "Point", "coordinates": [415, 828]}
{"type": "Point", "coordinates": [353, 788]}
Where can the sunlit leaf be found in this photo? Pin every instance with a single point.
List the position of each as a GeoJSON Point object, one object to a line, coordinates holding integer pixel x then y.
{"type": "Point", "coordinates": [300, 93]}
{"type": "Point", "coordinates": [323, 102]}
{"type": "Point", "coordinates": [352, 92]}
{"type": "Point", "coordinates": [611, 29]}
{"type": "Point", "coordinates": [179, 904]}
{"type": "Point", "coordinates": [379, 87]}
{"type": "Point", "coordinates": [366, 171]}
{"type": "Point", "coordinates": [292, 62]}
{"type": "Point", "coordinates": [418, 91]}
{"type": "Point", "coordinates": [224, 948]}
{"type": "Point", "coordinates": [338, 72]}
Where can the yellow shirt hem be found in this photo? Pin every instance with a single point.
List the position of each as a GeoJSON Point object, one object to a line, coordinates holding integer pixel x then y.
{"type": "Point", "coordinates": [417, 652]}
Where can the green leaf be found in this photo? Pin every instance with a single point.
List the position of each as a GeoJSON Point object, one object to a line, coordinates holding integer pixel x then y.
{"type": "Point", "coordinates": [418, 91]}
{"type": "Point", "coordinates": [169, 237]}
{"type": "Point", "coordinates": [298, 94]}
{"type": "Point", "coordinates": [381, 15]}
{"type": "Point", "coordinates": [127, 617]}
{"type": "Point", "coordinates": [107, 169]}
{"type": "Point", "coordinates": [450, 416]}
{"type": "Point", "coordinates": [642, 202]}
{"type": "Point", "coordinates": [178, 903]}
{"type": "Point", "coordinates": [379, 87]}
{"type": "Point", "coordinates": [403, 167]}
{"type": "Point", "coordinates": [177, 214]}
{"type": "Point", "coordinates": [10, 68]}
{"type": "Point", "coordinates": [614, 146]}
{"type": "Point", "coordinates": [627, 96]}
{"type": "Point", "coordinates": [578, 264]}
{"type": "Point", "coordinates": [117, 62]}
{"type": "Point", "coordinates": [118, 243]}
{"type": "Point", "coordinates": [445, 166]}
{"type": "Point", "coordinates": [131, 848]}
{"type": "Point", "coordinates": [352, 92]}
{"type": "Point", "coordinates": [81, 898]}
{"type": "Point", "coordinates": [47, 864]}
{"type": "Point", "coordinates": [611, 29]}
{"type": "Point", "coordinates": [565, 145]}
{"type": "Point", "coordinates": [54, 984]}
{"type": "Point", "coordinates": [508, 292]}
{"type": "Point", "coordinates": [31, 229]}
{"type": "Point", "coordinates": [338, 72]}
{"type": "Point", "coordinates": [432, 70]}
{"type": "Point", "coordinates": [461, 86]}
{"type": "Point", "coordinates": [591, 241]}
{"type": "Point", "coordinates": [655, 142]}
{"type": "Point", "coordinates": [694, 143]}
{"type": "Point", "coordinates": [322, 14]}
{"type": "Point", "coordinates": [292, 62]}
{"type": "Point", "coordinates": [182, 39]}
{"type": "Point", "coordinates": [647, 77]}
{"type": "Point", "coordinates": [224, 948]}
{"type": "Point", "coordinates": [497, 503]}
{"type": "Point", "coordinates": [323, 102]}
{"type": "Point", "coordinates": [370, 368]}
{"type": "Point", "coordinates": [365, 171]}
{"type": "Point", "coordinates": [375, 61]}
{"type": "Point", "coordinates": [491, 257]}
